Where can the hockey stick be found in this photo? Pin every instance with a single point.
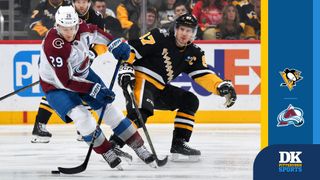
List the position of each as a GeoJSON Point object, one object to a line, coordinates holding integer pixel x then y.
{"type": "Point", "coordinates": [83, 166]}
{"type": "Point", "coordinates": [159, 161]}
{"type": "Point", "coordinates": [19, 90]}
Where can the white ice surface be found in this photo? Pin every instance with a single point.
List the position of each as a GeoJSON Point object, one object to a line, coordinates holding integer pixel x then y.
{"type": "Point", "coordinates": [228, 152]}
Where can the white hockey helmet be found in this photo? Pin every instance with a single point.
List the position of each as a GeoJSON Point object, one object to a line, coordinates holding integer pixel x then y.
{"type": "Point", "coordinates": [66, 16]}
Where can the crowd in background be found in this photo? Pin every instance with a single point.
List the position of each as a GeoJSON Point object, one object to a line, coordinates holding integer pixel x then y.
{"type": "Point", "coordinates": [217, 19]}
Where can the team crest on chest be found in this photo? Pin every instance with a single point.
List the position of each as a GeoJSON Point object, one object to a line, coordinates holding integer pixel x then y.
{"type": "Point", "coordinates": [190, 59]}
{"type": "Point", "coordinates": [57, 43]}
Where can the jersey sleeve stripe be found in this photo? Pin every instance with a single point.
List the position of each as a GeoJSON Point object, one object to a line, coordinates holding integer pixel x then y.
{"type": "Point", "coordinates": [198, 72]}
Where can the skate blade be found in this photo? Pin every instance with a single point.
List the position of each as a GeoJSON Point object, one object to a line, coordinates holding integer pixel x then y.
{"type": "Point", "coordinates": [126, 159]}
{"type": "Point", "coordinates": [39, 139]}
{"type": "Point", "coordinates": [153, 164]}
{"type": "Point", "coordinates": [119, 167]}
{"type": "Point", "coordinates": [184, 158]}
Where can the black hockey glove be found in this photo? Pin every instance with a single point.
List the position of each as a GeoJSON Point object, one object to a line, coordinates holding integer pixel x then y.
{"type": "Point", "coordinates": [126, 76]}
{"type": "Point", "coordinates": [225, 89]}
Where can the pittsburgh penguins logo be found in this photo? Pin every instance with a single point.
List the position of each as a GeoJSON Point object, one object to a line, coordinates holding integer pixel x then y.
{"type": "Point", "coordinates": [290, 77]}
{"type": "Point", "coordinates": [57, 43]}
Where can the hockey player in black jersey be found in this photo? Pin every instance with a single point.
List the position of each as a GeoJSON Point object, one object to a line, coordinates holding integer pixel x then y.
{"type": "Point", "coordinates": [87, 13]}
{"type": "Point", "coordinates": [159, 58]}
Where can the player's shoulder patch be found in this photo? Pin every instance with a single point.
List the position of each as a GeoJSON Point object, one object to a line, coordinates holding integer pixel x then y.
{"type": "Point", "coordinates": [164, 32]}
{"type": "Point", "coordinates": [197, 50]}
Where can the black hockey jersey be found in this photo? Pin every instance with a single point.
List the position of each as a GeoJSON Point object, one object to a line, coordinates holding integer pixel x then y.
{"type": "Point", "coordinates": [159, 60]}
{"type": "Point", "coordinates": [43, 16]}
{"type": "Point", "coordinates": [93, 17]}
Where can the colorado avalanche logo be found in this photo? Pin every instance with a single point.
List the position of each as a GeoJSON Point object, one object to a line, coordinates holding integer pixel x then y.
{"type": "Point", "coordinates": [57, 43]}
{"type": "Point", "coordinates": [291, 115]}
{"type": "Point", "coordinates": [82, 68]}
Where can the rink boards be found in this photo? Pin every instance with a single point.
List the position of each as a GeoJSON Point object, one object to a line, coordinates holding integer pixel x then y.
{"type": "Point", "coordinates": [238, 61]}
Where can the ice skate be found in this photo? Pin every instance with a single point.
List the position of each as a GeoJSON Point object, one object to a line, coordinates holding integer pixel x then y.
{"type": "Point", "coordinates": [112, 159]}
{"type": "Point", "coordinates": [40, 133]}
{"type": "Point", "coordinates": [181, 151]}
{"type": "Point", "coordinates": [145, 156]}
{"type": "Point", "coordinates": [123, 155]}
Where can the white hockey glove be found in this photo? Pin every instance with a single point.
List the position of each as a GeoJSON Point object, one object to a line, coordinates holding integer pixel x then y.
{"type": "Point", "coordinates": [126, 76]}
{"type": "Point", "coordinates": [225, 89]}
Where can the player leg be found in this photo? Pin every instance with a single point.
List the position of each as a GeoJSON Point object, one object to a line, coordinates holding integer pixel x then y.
{"type": "Point", "coordinates": [172, 98]}
{"type": "Point", "coordinates": [69, 104]}
{"type": "Point", "coordinates": [121, 126]}
{"type": "Point", "coordinates": [80, 137]}
{"type": "Point", "coordinates": [144, 94]}
{"type": "Point", "coordinates": [126, 131]}
{"type": "Point", "coordinates": [39, 132]}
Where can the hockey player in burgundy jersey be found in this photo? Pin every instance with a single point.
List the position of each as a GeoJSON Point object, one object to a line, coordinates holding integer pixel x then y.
{"type": "Point", "coordinates": [90, 16]}
{"type": "Point", "coordinates": [67, 80]}
{"type": "Point", "coordinates": [160, 58]}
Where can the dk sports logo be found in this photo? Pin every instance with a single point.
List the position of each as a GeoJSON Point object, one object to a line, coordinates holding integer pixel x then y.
{"type": "Point", "coordinates": [290, 78]}
{"type": "Point", "coordinates": [291, 116]}
{"type": "Point", "coordinates": [290, 162]}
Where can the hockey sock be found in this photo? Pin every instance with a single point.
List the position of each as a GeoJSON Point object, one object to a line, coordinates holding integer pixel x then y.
{"type": "Point", "coordinates": [43, 116]}
{"type": "Point", "coordinates": [44, 111]}
{"type": "Point", "coordinates": [101, 144]}
{"type": "Point", "coordinates": [86, 125]}
{"type": "Point", "coordinates": [128, 133]}
{"type": "Point", "coordinates": [183, 125]}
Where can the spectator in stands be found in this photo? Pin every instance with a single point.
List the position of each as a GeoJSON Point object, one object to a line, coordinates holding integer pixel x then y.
{"type": "Point", "coordinates": [87, 13]}
{"type": "Point", "coordinates": [230, 27]}
{"type": "Point", "coordinates": [151, 22]}
{"type": "Point", "coordinates": [179, 8]}
{"type": "Point", "coordinates": [101, 6]}
{"type": "Point", "coordinates": [111, 24]}
{"type": "Point", "coordinates": [42, 18]}
{"type": "Point", "coordinates": [166, 13]}
{"type": "Point", "coordinates": [248, 17]}
{"type": "Point", "coordinates": [155, 3]}
{"type": "Point", "coordinates": [254, 31]}
{"type": "Point", "coordinates": [208, 13]}
{"type": "Point", "coordinates": [128, 13]}
{"type": "Point", "coordinates": [152, 19]}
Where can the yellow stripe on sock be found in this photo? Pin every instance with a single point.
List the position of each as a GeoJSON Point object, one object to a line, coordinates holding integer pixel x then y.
{"type": "Point", "coordinates": [181, 114]}
{"type": "Point", "coordinates": [182, 126]}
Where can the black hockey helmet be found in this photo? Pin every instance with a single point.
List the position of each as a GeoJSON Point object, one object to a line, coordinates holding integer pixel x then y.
{"type": "Point", "coordinates": [187, 20]}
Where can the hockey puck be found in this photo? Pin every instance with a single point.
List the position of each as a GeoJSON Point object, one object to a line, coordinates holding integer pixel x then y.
{"type": "Point", "coordinates": [55, 172]}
